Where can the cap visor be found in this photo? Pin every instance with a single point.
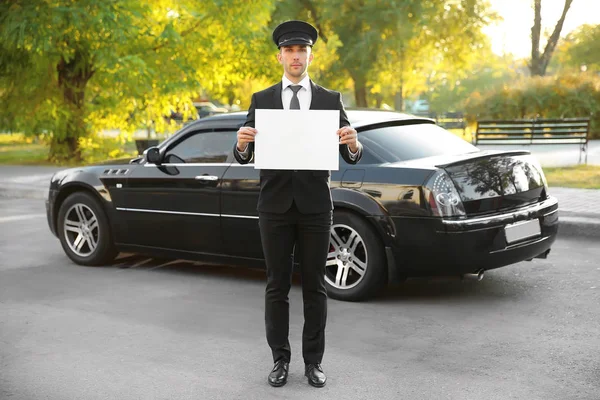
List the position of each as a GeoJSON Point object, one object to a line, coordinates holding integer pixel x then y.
{"type": "Point", "coordinates": [292, 42]}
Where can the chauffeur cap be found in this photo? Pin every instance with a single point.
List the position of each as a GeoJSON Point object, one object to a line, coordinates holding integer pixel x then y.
{"type": "Point", "coordinates": [295, 32]}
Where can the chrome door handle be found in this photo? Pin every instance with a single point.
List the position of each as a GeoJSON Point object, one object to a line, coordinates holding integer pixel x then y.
{"type": "Point", "coordinates": [206, 178]}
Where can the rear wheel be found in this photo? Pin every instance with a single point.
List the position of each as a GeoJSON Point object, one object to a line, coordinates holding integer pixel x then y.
{"type": "Point", "coordinates": [83, 230]}
{"type": "Point", "coordinates": [356, 268]}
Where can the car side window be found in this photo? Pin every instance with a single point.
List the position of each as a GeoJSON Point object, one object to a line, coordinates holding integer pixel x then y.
{"type": "Point", "coordinates": [367, 158]}
{"type": "Point", "coordinates": [202, 147]}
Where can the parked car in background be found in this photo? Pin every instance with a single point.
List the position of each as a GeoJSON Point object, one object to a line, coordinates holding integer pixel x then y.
{"type": "Point", "coordinates": [207, 109]}
{"type": "Point", "coordinates": [420, 107]}
{"type": "Point", "coordinates": [421, 202]}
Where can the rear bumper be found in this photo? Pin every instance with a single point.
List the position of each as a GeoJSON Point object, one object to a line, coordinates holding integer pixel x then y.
{"type": "Point", "coordinates": [449, 247]}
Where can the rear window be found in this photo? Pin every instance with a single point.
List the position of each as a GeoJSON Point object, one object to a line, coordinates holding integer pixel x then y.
{"type": "Point", "coordinates": [408, 142]}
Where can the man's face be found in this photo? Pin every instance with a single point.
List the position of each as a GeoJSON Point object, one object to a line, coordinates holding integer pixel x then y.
{"type": "Point", "coordinates": [295, 59]}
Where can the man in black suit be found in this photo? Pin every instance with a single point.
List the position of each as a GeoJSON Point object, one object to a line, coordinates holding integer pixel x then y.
{"type": "Point", "coordinates": [295, 207]}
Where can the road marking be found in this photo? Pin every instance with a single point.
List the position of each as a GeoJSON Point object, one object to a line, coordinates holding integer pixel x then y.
{"type": "Point", "coordinates": [20, 217]}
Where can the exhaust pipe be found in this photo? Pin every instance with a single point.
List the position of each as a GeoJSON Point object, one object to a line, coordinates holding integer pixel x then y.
{"type": "Point", "coordinates": [478, 276]}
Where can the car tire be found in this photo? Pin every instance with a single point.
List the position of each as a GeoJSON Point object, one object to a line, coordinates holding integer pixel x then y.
{"type": "Point", "coordinates": [355, 242]}
{"type": "Point", "coordinates": [84, 231]}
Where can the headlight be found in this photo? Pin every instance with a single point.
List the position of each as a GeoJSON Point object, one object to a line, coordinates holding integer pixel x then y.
{"type": "Point", "coordinates": [442, 196]}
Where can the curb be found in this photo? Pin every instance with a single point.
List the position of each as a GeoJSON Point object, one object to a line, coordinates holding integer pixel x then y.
{"type": "Point", "coordinates": [570, 225]}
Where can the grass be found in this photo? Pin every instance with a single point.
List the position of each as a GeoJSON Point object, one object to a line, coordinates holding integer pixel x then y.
{"type": "Point", "coordinates": [25, 154]}
{"type": "Point", "coordinates": [17, 149]}
{"type": "Point", "coordinates": [580, 176]}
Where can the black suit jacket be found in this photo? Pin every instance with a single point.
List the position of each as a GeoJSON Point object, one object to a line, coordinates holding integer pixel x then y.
{"type": "Point", "coordinates": [309, 190]}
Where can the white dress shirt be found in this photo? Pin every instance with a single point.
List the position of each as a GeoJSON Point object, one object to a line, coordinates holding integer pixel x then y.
{"type": "Point", "coordinates": [304, 94]}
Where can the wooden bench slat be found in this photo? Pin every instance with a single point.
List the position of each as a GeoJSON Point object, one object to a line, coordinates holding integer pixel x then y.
{"type": "Point", "coordinates": [504, 126]}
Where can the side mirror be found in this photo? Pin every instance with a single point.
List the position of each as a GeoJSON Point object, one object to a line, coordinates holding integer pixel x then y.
{"type": "Point", "coordinates": [152, 155]}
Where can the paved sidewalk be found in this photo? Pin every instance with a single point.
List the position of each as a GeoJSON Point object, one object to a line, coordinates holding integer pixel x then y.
{"type": "Point", "coordinates": [579, 208]}
{"type": "Point", "coordinates": [579, 211]}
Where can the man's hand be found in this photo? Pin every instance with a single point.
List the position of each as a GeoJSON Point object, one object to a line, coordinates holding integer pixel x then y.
{"type": "Point", "coordinates": [245, 135]}
{"type": "Point", "coordinates": [349, 136]}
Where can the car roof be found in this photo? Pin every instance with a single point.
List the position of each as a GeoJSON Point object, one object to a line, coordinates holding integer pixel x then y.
{"type": "Point", "coordinates": [359, 117]}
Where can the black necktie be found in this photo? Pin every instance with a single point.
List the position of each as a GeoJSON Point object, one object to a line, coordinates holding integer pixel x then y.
{"type": "Point", "coordinates": [295, 103]}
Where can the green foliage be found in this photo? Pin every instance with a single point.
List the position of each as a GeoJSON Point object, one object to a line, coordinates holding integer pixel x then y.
{"type": "Point", "coordinates": [98, 148]}
{"type": "Point", "coordinates": [566, 96]}
{"type": "Point", "coordinates": [580, 49]}
{"type": "Point", "coordinates": [482, 76]}
{"type": "Point", "coordinates": [69, 68]}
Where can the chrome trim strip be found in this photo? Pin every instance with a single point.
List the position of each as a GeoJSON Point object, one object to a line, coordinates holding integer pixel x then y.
{"type": "Point", "coordinates": [185, 213]}
{"type": "Point", "coordinates": [239, 216]}
{"type": "Point", "coordinates": [167, 212]}
{"type": "Point", "coordinates": [537, 207]}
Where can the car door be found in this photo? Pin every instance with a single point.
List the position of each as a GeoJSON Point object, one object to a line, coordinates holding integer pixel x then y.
{"type": "Point", "coordinates": [239, 219]}
{"type": "Point", "coordinates": [176, 204]}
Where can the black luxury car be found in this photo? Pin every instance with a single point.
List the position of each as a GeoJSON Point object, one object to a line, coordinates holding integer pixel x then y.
{"type": "Point", "coordinates": [421, 202]}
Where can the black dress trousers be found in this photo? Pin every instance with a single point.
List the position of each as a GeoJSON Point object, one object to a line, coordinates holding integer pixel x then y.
{"type": "Point", "coordinates": [310, 234]}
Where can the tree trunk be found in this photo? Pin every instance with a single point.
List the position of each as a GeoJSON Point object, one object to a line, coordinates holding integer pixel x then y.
{"type": "Point", "coordinates": [399, 101]}
{"type": "Point", "coordinates": [399, 96]}
{"type": "Point", "coordinates": [378, 100]}
{"type": "Point", "coordinates": [360, 91]}
{"type": "Point", "coordinates": [539, 63]}
{"type": "Point", "coordinates": [73, 76]}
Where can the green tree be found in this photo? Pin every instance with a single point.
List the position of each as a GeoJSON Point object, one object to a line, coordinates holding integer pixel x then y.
{"type": "Point", "coordinates": [441, 51]}
{"type": "Point", "coordinates": [69, 68]}
{"type": "Point", "coordinates": [580, 49]}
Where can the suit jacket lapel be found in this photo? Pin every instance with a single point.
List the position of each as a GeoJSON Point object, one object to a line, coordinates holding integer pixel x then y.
{"type": "Point", "coordinates": [277, 104]}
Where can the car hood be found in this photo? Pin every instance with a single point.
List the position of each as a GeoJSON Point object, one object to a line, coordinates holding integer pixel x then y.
{"type": "Point", "coordinates": [116, 162]}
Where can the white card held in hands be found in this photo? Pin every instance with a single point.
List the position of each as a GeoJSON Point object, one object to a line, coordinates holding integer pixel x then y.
{"type": "Point", "coordinates": [297, 139]}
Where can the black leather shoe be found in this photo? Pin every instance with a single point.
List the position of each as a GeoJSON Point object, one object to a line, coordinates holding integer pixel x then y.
{"type": "Point", "coordinates": [279, 374]}
{"type": "Point", "coordinates": [316, 376]}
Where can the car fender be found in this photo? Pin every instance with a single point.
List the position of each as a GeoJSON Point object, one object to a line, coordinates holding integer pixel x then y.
{"type": "Point", "coordinates": [367, 207]}
{"type": "Point", "coordinates": [72, 181]}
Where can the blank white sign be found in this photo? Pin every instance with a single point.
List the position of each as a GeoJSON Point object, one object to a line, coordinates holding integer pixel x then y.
{"type": "Point", "coordinates": [297, 139]}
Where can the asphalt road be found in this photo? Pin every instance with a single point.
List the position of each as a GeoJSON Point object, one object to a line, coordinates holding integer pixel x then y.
{"type": "Point", "coordinates": [144, 329]}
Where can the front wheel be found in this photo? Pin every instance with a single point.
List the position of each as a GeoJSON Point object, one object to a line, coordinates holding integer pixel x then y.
{"type": "Point", "coordinates": [356, 268]}
{"type": "Point", "coordinates": [83, 230]}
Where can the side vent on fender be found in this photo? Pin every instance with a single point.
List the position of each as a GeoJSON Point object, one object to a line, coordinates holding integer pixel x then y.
{"type": "Point", "coordinates": [116, 171]}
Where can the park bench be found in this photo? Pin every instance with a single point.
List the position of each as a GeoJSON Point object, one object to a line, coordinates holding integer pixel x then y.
{"type": "Point", "coordinates": [535, 131]}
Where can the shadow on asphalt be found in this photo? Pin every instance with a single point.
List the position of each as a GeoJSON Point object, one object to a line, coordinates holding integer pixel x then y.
{"type": "Point", "coordinates": [493, 287]}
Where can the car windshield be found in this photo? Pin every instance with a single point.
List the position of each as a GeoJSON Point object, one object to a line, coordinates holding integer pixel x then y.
{"type": "Point", "coordinates": [409, 142]}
